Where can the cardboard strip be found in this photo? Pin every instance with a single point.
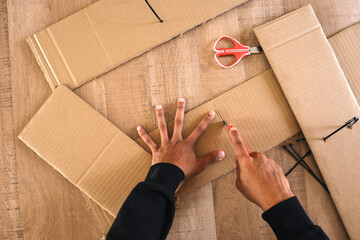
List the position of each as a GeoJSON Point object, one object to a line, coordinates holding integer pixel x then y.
{"type": "Point", "coordinates": [321, 99]}
{"type": "Point", "coordinates": [108, 33]}
{"type": "Point", "coordinates": [86, 149]}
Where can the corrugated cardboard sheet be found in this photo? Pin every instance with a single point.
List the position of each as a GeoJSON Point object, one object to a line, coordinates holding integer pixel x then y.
{"type": "Point", "coordinates": [108, 33]}
{"type": "Point", "coordinates": [87, 149]}
{"type": "Point", "coordinates": [321, 99]}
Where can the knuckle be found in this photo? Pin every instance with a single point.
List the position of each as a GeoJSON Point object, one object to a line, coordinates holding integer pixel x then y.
{"type": "Point", "coordinates": [180, 106]}
{"type": "Point", "coordinates": [178, 121]}
{"type": "Point", "coordinates": [160, 113]}
{"type": "Point", "coordinates": [238, 141]}
{"type": "Point", "coordinates": [201, 128]}
{"type": "Point", "coordinates": [162, 125]}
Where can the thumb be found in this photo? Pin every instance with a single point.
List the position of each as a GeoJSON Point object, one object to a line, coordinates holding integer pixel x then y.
{"type": "Point", "coordinates": [213, 157]}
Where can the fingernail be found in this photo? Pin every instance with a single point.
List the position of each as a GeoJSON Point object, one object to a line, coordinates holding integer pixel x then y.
{"type": "Point", "coordinates": [181, 100]}
{"type": "Point", "coordinates": [233, 129]}
{"type": "Point", "coordinates": [221, 155]}
{"type": "Point", "coordinates": [212, 113]}
{"type": "Point", "coordinates": [158, 107]}
{"type": "Point", "coordinates": [138, 128]}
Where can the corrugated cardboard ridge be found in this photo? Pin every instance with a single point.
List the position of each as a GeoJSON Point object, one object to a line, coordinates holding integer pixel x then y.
{"type": "Point", "coordinates": [108, 33]}
{"type": "Point", "coordinates": [321, 99]}
{"type": "Point", "coordinates": [87, 149]}
{"type": "Point", "coordinates": [257, 108]}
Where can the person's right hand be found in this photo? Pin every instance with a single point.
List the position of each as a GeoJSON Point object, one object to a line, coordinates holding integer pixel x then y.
{"type": "Point", "coordinates": [259, 178]}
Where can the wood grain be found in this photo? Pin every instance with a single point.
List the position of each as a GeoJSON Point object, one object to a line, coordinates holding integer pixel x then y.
{"type": "Point", "coordinates": [51, 207]}
{"type": "Point", "coordinates": [10, 212]}
{"type": "Point", "coordinates": [40, 204]}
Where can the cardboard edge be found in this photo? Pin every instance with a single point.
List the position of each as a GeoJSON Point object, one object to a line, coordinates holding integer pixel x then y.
{"type": "Point", "coordinates": [305, 8]}
{"type": "Point", "coordinates": [40, 58]}
{"type": "Point", "coordinates": [103, 218]}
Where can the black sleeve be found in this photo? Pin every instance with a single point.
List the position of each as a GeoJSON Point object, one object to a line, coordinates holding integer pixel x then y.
{"type": "Point", "coordinates": [149, 210]}
{"type": "Point", "coordinates": [288, 220]}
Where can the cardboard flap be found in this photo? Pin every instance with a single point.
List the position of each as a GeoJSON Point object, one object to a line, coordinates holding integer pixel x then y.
{"type": "Point", "coordinates": [286, 28]}
{"type": "Point", "coordinates": [321, 99]}
{"type": "Point", "coordinates": [86, 149]}
{"type": "Point", "coordinates": [108, 33]}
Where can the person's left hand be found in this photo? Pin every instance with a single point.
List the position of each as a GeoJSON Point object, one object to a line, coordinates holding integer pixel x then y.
{"type": "Point", "coordinates": [179, 151]}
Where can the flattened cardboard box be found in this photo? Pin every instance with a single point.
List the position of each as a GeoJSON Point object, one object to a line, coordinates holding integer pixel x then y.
{"type": "Point", "coordinates": [322, 101]}
{"type": "Point", "coordinates": [108, 33]}
{"type": "Point", "coordinates": [86, 148]}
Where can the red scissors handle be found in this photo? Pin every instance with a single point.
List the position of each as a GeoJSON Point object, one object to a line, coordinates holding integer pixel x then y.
{"type": "Point", "coordinates": [239, 51]}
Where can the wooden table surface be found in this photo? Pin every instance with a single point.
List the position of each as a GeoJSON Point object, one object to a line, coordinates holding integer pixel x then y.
{"type": "Point", "coordinates": [38, 203]}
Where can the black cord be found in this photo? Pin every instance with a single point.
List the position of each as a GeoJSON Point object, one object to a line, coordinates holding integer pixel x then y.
{"type": "Point", "coordinates": [153, 11]}
{"type": "Point", "coordinates": [297, 163]}
{"type": "Point", "coordinates": [348, 124]}
{"type": "Point", "coordinates": [307, 169]}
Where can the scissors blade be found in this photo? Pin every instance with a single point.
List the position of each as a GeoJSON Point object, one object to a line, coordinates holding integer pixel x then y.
{"type": "Point", "coordinates": [225, 123]}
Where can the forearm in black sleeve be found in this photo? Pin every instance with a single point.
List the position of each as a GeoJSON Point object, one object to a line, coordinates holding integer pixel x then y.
{"type": "Point", "coordinates": [288, 220]}
{"type": "Point", "coordinates": [149, 210]}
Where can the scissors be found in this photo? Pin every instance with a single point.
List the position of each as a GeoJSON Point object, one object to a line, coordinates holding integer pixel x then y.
{"type": "Point", "coordinates": [239, 51]}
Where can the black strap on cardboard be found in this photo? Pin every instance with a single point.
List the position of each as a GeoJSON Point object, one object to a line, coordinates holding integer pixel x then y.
{"type": "Point", "coordinates": [153, 11]}
{"type": "Point", "coordinates": [348, 124]}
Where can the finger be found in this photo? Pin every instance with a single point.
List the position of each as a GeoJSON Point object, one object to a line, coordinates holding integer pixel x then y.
{"type": "Point", "coordinates": [162, 124]}
{"type": "Point", "coordinates": [238, 143]}
{"type": "Point", "coordinates": [146, 138]}
{"type": "Point", "coordinates": [201, 127]}
{"type": "Point", "coordinates": [179, 120]}
{"type": "Point", "coordinates": [236, 158]}
{"type": "Point", "coordinates": [238, 169]}
{"type": "Point", "coordinates": [213, 157]}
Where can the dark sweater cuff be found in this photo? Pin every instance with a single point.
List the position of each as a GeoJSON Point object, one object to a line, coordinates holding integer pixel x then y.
{"type": "Point", "coordinates": [166, 174]}
{"type": "Point", "coordinates": [287, 217]}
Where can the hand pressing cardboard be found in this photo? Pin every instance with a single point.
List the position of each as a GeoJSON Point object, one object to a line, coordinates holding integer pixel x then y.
{"type": "Point", "coordinates": [259, 178]}
{"type": "Point", "coordinates": [177, 150]}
